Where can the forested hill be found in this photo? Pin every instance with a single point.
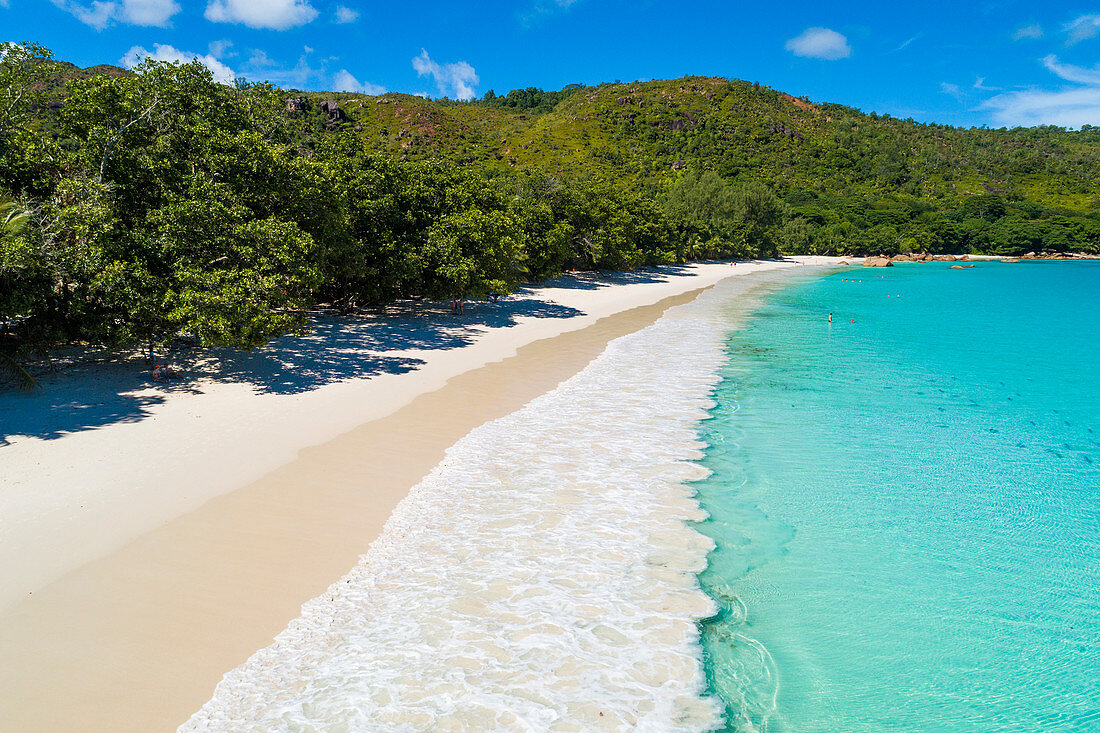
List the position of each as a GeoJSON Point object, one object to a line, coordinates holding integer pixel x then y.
{"type": "Point", "coordinates": [863, 182]}
{"type": "Point", "coordinates": [642, 131]}
{"type": "Point", "coordinates": [141, 206]}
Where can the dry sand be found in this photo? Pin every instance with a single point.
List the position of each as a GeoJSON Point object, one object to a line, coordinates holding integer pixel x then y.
{"type": "Point", "coordinates": [151, 540]}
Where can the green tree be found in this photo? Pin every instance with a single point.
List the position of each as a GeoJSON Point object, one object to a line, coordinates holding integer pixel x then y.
{"type": "Point", "coordinates": [207, 224]}
{"type": "Point", "coordinates": [29, 160]}
{"type": "Point", "coordinates": [702, 205]}
{"type": "Point", "coordinates": [761, 213]}
{"type": "Point", "coordinates": [474, 254]}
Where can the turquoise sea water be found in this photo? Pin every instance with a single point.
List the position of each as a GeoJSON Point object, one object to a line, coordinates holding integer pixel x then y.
{"type": "Point", "coordinates": [907, 507]}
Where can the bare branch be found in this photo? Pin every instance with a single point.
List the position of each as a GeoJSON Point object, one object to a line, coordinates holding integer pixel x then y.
{"type": "Point", "coordinates": [115, 138]}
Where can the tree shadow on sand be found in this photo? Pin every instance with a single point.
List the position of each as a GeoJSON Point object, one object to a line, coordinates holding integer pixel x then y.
{"type": "Point", "coordinates": [597, 280]}
{"type": "Point", "coordinates": [52, 414]}
{"type": "Point", "coordinates": [338, 348]}
{"type": "Point", "coordinates": [93, 393]}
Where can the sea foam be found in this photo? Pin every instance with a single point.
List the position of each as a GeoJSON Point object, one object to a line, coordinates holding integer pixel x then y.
{"type": "Point", "coordinates": [541, 578]}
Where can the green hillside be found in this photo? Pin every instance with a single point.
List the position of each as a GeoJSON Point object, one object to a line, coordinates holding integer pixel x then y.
{"type": "Point", "coordinates": [869, 182]}
{"type": "Point", "coordinates": [640, 131]}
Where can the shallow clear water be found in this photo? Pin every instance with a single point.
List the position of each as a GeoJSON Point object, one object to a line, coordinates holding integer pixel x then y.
{"type": "Point", "coordinates": [907, 507]}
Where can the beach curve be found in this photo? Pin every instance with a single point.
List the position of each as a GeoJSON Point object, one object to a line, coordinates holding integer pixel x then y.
{"type": "Point", "coordinates": [62, 657]}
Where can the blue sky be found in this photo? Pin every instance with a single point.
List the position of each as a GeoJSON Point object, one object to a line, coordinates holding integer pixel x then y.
{"type": "Point", "coordinates": [984, 63]}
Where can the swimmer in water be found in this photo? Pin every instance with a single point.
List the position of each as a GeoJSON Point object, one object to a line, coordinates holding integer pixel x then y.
{"type": "Point", "coordinates": [830, 318]}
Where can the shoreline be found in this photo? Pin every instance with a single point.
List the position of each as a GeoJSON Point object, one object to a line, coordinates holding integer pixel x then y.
{"type": "Point", "coordinates": [225, 578]}
{"type": "Point", "coordinates": [543, 573]}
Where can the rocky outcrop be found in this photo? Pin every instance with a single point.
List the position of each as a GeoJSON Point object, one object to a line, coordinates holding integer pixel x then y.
{"type": "Point", "coordinates": [878, 262]}
{"type": "Point", "coordinates": [784, 130]}
{"type": "Point", "coordinates": [335, 115]}
{"type": "Point", "coordinates": [925, 257]}
{"type": "Point", "coordinates": [1060, 256]}
{"type": "Point", "coordinates": [297, 104]}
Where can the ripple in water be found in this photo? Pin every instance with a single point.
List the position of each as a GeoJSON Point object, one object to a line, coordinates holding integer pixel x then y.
{"type": "Point", "coordinates": [906, 509]}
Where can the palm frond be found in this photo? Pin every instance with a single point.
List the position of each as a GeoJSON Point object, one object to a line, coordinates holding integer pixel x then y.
{"type": "Point", "coordinates": [13, 218]}
{"type": "Point", "coordinates": [13, 371]}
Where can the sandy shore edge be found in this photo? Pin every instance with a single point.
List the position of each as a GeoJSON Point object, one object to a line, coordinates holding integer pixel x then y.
{"type": "Point", "coordinates": [139, 637]}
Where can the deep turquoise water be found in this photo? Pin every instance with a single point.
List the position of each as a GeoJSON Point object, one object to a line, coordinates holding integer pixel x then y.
{"type": "Point", "coordinates": [907, 507]}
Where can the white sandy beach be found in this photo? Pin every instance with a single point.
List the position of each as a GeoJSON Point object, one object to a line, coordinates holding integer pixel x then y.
{"type": "Point", "coordinates": [103, 469]}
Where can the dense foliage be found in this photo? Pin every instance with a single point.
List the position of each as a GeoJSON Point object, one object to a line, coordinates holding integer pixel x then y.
{"type": "Point", "coordinates": [141, 207]}
{"type": "Point", "coordinates": [531, 99]}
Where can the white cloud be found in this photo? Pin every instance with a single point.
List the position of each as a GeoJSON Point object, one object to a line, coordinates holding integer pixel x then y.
{"type": "Point", "coordinates": [1072, 73]}
{"type": "Point", "coordinates": [303, 75]}
{"type": "Point", "coordinates": [1067, 107]}
{"type": "Point", "coordinates": [100, 14]}
{"type": "Point", "coordinates": [1082, 29]}
{"type": "Point", "coordinates": [905, 44]}
{"type": "Point", "coordinates": [220, 49]}
{"type": "Point", "coordinates": [163, 52]}
{"type": "Point", "coordinates": [951, 90]}
{"type": "Point", "coordinates": [820, 43]}
{"type": "Point", "coordinates": [541, 9]}
{"type": "Point", "coordinates": [980, 85]}
{"type": "Point", "coordinates": [345, 14]}
{"type": "Point", "coordinates": [345, 82]}
{"type": "Point", "coordinates": [149, 12]}
{"type": "Point", "coordinates": [456, 79]}
{"type": "Point", "coordinates": [272, 14]}
{"type": "Point", "coordinates": [1028, 31]}
{"type": "Point", "coordinates": [260, 60]}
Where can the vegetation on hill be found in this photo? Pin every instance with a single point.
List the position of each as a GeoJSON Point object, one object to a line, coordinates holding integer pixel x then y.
{"type": "Point", "coordinates": [157, 203]}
